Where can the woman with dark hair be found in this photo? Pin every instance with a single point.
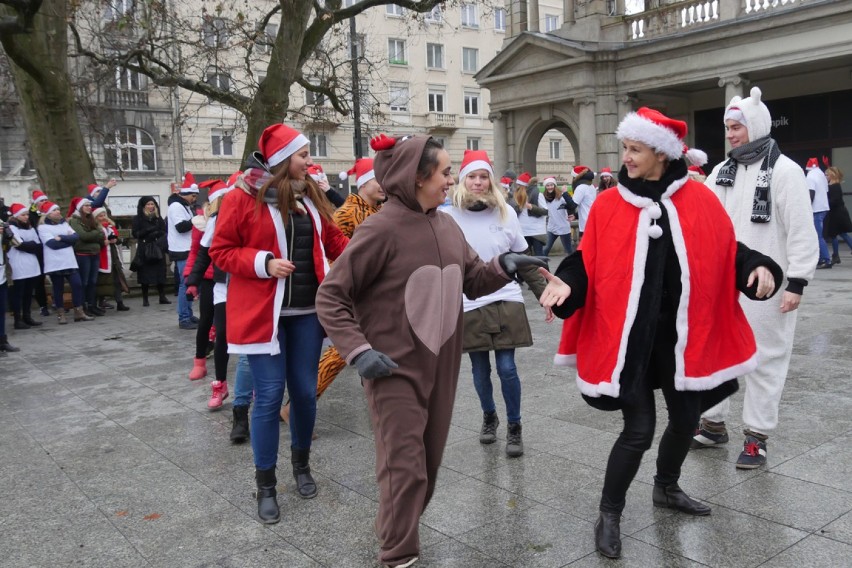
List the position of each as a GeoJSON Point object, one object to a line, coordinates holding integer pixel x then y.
{"type": "Point", "coordinates": [837, 222]}
{"type": "Point", "coordinates": [149, 229]}
{"type": "Point", "coordinates": [397, 316]}
{"type": "Point", "coordinates": [651, 299]}
{"type": "Point", "coordinates": [274, 236]}
{"type": "Point", "coordinates": [87, 249]}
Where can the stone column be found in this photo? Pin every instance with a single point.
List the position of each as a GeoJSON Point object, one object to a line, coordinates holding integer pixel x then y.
{"type": "Point", "coordinates": [620, 8]}
{"type": "Point", "coordinates": [568, 8]}
{"type": "Point", "coordinates": [587, 137]}
{"type": "Point", "coordinates": [735, 85]}
{"type": "Point", "coordinates": [534, 23]}
{"type": "Point", "coordinates": [517, 16]}
{"type": "Point", "coordinates": [625, 104]}
{"type": "Point", "coordinates": [501, 142]}
{"type": "Point", "coordinates": [606, 122]}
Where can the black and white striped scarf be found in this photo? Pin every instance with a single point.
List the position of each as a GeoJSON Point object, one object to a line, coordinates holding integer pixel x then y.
{"type": "Point", "coordinates": [763, 148]}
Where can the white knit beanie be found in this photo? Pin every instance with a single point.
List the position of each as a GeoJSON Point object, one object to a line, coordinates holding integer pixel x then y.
{"type": "Point", "coordinates": [757, 118]}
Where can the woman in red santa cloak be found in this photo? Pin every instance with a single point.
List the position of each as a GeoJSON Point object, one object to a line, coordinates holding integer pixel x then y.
{"type": "Point", "coordinates": [651, 301]}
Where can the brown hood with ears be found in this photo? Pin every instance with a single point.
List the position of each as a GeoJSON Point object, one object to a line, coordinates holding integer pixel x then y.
{"type": "Point", "coordinates": [396, 169]}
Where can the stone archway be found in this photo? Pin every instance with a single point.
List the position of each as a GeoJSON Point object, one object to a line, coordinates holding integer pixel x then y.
{"type": "Point", "coordinates": [530, 137]}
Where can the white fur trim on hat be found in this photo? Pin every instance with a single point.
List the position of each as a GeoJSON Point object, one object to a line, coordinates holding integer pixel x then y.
{"type": "Point", "coordinates": [758, 121]}
{"type": "Point", "coordinates": [476, 165]}
{"type": "Point", "coordinates": [288, 150]}
{"type": "Point", "coordinates": [191, 189]}
{"type": "Point", "coordinates": [81, 203]}
{"type": "Point", "coordinates": [660, 138]}
{"type": "Point", "coordinates": [218, 193]}
{"type": "Point", "coordinates": [98, 211]}
{"type": "Point", "coordinates": [548, 180]}
{"type": "Point", "coordinates": [365, 178]}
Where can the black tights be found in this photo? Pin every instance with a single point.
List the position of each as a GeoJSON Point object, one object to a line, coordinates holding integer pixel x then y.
{"type": "Point", "coordinates": [205, 317]}
{"type": "Point", "coordinates": [220, 351]}
{"type": "Point", "coordinates": [161, 290]}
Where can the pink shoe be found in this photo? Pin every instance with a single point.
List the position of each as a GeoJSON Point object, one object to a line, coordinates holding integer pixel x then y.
{"type": "Point", "coordinates": [219, 394]}
{"type": "Point", "coordinates": [199, 369]}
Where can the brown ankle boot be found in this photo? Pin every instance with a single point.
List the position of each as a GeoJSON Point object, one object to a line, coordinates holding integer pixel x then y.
{"type": "Point", "coordinates": [80, 315]}
{"type": "Point", "coordinates": [60, 315]}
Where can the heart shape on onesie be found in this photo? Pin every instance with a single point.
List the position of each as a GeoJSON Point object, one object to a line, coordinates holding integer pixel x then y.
{"type": "Point", "coordinates": [432, 301]}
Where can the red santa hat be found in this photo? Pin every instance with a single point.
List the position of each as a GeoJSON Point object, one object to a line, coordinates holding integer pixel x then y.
{"type": "Point", "coordinates": [216, 188]}
{"type": "Point", "coordinates": [655, 129]}
{"type": "Point", "coordinates": [98, 211]}
{"type": "Point", "coordinates": [232, 179]}
{"type": "Point", "coordinates": [77, 203]}
{"type": "Point", "coordinates": [580, 170]}
{"type": "Point", "coordinates": [188, 185]}
{"type": "Point", "coordinates": [524, 179]}
{"type": "Point", "coordinates": [316, 172]}
{"type": "Point", "coordinates": [47, 206]}
{"type": "Point", "coordinates": [475, 160]}
{"type": "Point", "coordinates": [278, 142]}
{"type": "Point", "coordinates": [18, 209]}
{"type": "Point", "coordinates": [606, 172]}
{"type": "Point", "coordinates": [696, 171]}
{"type": "Point", "coordinates": [812, 163]}
{"type": "Point", "coordinates": [93, 188]}
{"type": "Point", "coordinates": [38, 196]}
{"type": "Point", "coordinates": [362, 170]}
{"type": "Point", "coordinates": [506, 182]}
{"type": "Point", "coordinates": [549, 179]}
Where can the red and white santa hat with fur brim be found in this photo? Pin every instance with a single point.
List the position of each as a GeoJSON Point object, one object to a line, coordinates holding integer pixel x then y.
{"type": "Point", "coordinates": [663, 134]}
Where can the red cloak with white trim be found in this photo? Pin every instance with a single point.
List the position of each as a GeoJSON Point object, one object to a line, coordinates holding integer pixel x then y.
{"type": "Point", "coordinates": [715, 342]}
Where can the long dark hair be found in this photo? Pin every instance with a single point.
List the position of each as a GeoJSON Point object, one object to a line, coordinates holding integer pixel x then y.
{"type": "Point", "coordinates": [286, 197]}
{"type": "Point", "coordinates": [428, 159]}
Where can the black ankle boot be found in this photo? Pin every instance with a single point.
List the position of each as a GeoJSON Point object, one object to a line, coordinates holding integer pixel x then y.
{"type": "Point", "coordinates": [19, 322]}
{"type": "Point", "coordinates": [673, 497]}
{"type": "Point", "coordinates": [6, 346]}
{"type": "Point", "coordinates": [240, 430]}
{"type": "Point", "coordinates": [305, 484]}
{"type": "Point", "coordinates": [164, 300]}
{"type": "Point", "coordinates": [267, 496]}
{"type": "Point", "coordinates": [27, 318]}
{"type": "Point", "coordinates": [608, 534]}
{"type": "Point", "coordinates": [121, 307]}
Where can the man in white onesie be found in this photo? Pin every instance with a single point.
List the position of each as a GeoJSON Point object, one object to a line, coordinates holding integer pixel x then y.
{"type": "Point", "coordinates": [767, 198]}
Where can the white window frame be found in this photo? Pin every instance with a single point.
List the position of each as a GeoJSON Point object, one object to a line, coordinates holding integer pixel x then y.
{"type": "Point", "coordinates": [315, 99]}
{"type": "Point", "coordinates": [318, 144]}
{"type": "Point", "coordinates": [435, 15]}
{"type": "Point", "coordinates": [471, 103]}
{"type": "Point", "coordinates": [394, 45]}
{"type": "Point", "coordinates": [143, 142]}
{"type": "Point", "coordinates": [396, 103]}
{"type": "Point", "coordinates": [124, 79]}
{"type": "Point", "coordinates": [394, 11]}
{"type": "Point", "coordinates": [500, 20]}
{"type": "Point", "coordinates": [551, 23]}
{"type": "Point", "coordinates": [555, 149]}
{"type": "Point", "coordinates": [219, 79]}
{"type": "Point", "coordinates": [436, 99]}
{"type": "Point", "coordinates": [222, 142]}
{"type": "Point", "coordinates": [215, 33]}
{"type": "Point", "coordinates": [469, 66]}
{"type": "Point", "coordinates": [267, 38]}
{"type": "Point", "coordinates": [469, 15]}
{"type": "Point", "coordinates": [435, 52]}
{"type": "Point", "coordinates": [473, 143]}
{"type": "Point", "coordinates": [118, 9]}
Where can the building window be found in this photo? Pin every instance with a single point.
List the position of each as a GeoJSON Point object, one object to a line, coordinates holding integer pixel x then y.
{"type": "Point", "coordinates": [319, 145]}
{"type": "Point", "coordinates": [473, 143]}
{"type": "Point", "coordinates": [119, 9]}
{"type": "Point", "coordinates": [471, 104]}
{"type": "Point", "coordinates": [434, 56]}
{"type": "Point", "coordinates": [436, 100]}
{"type": "Point", "coordinates": [396, 52]}
{"type": "Point", "coordinates": [365, 146]}
{"type": "Point", "coordinates": [500, 20]}
{"type": "Point", "coordinates": [436, 15]}
{"type": "Point", "coordinates": [394, 10]}
{"type": "Point", "coordinates": [266, 40]}
{"type": "Point", "coordinates": [314, 99]}
{"type": "Point", "coordinates": [470, 59]}
{"type": "Point", "coordinates": [219, 80]}
{"type": "Point", "coordinates": [399, 97]}
{"type": "Point", "coordinates": [214, 32]}
{"type": "Point", "coordinates": [222, 142]}
{"type": "Point", "coordinates": [440, 140]}
{"type": "Point", "coordinates": [551, 23]}
{"type": "Point", "coordinates": [349, 3]}
{"type": "Point", "coordinates": [469, 18]}
{"type": "Point", "coordinates": [127, 80]}
{"type": "Point", "coordinates": [555, 149]}
{"type": "Point", "coordinates": [130, 149]}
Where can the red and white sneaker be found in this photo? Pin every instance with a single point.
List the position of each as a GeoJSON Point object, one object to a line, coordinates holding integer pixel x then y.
{"type": "Point", "coordinates": [218, 396]}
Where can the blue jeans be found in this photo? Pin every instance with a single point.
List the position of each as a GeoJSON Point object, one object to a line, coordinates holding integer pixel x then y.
{"type": "Point", "coordinates": [243, 382]}
{"type": "Point", "coordinates": [88, 264]}
{"type": "Point", "coordinates": [58, 282]}
{"type": "Point", "coordinates": [510, 383]}
{"type": "Point", "coordinates": [566, 243]}
{"type": "Point", "coordinates": [184, 306]}
{"type": "Point", "coordinates": [536, 246]}
{"type": "Point", "coordinates": [835, 242]}
{"type": "Point", "coordinates": [819, 219]}
{"type": "Point", "coordinates": [300, 338]}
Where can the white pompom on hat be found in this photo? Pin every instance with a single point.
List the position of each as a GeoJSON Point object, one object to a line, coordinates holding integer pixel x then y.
{"type": "Point", "coordinates": [758, 121]}
{"type": "Point", "coordinates": [362, 170]}
{"type": "Point", "coordinates": [188, 184]}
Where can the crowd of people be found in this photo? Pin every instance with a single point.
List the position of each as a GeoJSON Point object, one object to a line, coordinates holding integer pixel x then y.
{"type": "Point", "coordinates": [672, 287]}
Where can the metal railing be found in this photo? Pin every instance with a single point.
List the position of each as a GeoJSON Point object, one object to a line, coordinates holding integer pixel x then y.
{"type": "Point", "coordinates": [126, 98]}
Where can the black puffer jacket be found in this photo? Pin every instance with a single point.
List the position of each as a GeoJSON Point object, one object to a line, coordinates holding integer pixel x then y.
{"type": "Point", "coordinates": [300, 288]}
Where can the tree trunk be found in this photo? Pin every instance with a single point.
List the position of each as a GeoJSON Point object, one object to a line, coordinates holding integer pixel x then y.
{"type": "Point", "coordinates": [39, 65]}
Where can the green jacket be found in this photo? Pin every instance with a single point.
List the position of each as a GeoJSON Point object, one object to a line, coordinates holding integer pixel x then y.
{"type": "Point", "coordinates": [90, 241]}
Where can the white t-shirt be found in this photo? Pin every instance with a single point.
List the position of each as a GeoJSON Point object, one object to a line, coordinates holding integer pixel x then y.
{"type": "Point", "coordinates": [557, 216]}
{"type": "Point", "coordinates": [178, 211]}
{"type": "Point", "coordinates": [584, 196]}
{"type": "Point", "coordinates": [490, 237]}
{"type": "Point", "coordinates": [818, 183]}
{"type": "Point", "coordinates": [24, 264]}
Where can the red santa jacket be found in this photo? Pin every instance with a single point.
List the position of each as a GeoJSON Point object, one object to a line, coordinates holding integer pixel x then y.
{"type": "Point", "coordinates": [198, 226]}
{"type": "Point", "coordinates": [105, 265]}
{"type": "Point", "coordinates": [243, 239]}
{"type": "Point", "coordinates": [715, 342]}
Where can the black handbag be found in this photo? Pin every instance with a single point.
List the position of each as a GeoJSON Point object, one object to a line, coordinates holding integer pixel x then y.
{"type": "Point", "coordinates": [152, 253]}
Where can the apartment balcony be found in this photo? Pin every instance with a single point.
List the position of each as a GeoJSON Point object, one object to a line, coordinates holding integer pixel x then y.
{"type": "Point", "coordinates": [320, 117]}
{"type": "Point", "coordinates": [441, 122]}
{"type": "Point", "coordinates": [124, 99]}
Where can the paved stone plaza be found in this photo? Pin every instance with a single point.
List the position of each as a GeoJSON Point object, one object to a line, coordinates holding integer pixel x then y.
{"type": "Point", "coordinates": [110, 458]}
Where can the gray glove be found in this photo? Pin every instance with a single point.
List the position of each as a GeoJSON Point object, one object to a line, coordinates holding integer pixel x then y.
{"type": "Point", "coordinates": [512, 262]}
{"type": "Point", "coordinates": [373, 364]}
